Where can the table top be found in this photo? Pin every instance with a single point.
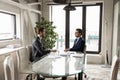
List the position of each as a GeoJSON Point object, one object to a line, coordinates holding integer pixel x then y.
{"type": "Point", "coordinates": [59, 65]}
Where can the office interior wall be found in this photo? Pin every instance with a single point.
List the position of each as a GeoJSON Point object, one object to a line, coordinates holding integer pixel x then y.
{"type": "Point", "coordinates": [34, 18]}
{"type": "Point", "coordinates": [116, 29]}
{"type": "Point", "coordinates": [10, 8]}
{"type": "Point", "coordinates": [107, 36]}
{"type": "Point", "coordinates": [45, 9]}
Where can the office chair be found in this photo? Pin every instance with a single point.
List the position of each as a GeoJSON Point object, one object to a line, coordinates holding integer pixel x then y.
{"type": "Point", "coordinates": [9, 68]}
{"type": "Point", "coordinates": [24, 65]}
{"type": "Point", "coordinates": [84, 62]}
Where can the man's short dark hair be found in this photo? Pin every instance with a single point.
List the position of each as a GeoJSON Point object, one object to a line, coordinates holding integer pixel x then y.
{"type": "Point", "coordinates": [79, 30]}
{"type": "Point", "coordinates": [41, 29]}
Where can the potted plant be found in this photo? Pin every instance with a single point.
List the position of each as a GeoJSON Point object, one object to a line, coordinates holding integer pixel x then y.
{"type": "Point", "coordinates": [51, 36]}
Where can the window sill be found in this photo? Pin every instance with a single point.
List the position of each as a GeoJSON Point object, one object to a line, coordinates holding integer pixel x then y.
{"type": "Point", "coordinates": [9, 42]}
{"type": "Point", "coordinates": [94, 59]}
{"type": "Point", "coordinates": [6, 51]}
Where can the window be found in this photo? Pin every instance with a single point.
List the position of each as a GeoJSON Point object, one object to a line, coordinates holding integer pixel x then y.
{"type": "Point", "coordinates": [75, 22]}
{"type": "Point", "coordinates": [7, 26]}
{"type": "Point", "coordinates": [92, 27]}
{"type": "Point", "coordinates": [87, 17]}
{"type": "Point", "coordinates": [58, 19]}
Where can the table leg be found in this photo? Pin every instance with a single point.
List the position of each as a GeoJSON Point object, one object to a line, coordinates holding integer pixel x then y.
{"type": "Point", "coordinates": [64, 78]}
{"type": "Point", "coordinates": [80, 76]}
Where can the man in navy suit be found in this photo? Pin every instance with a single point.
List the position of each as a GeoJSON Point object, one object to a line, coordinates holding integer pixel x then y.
{"type": "Point", "coordinates": [38, 49]}
{"type": "Point", "coordinates": [79, 42]}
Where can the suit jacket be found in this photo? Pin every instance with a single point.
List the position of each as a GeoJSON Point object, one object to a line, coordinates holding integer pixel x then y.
{"type": "Point", "coordinates": [79, 45]}
{"type": "Point", "coordinates": [38, 49]}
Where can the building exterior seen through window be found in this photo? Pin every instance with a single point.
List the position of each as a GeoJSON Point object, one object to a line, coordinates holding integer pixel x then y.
{"type": "Point", "coordinates": [92, 27]}
{"type": "Point", "coordinates": [58, 18]}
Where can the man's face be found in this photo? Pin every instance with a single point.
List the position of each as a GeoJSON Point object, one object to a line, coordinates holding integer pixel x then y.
{"type": "Point", "coordinates": [77, 34]}
{"type": "Point", "coordinates": [42, 33]}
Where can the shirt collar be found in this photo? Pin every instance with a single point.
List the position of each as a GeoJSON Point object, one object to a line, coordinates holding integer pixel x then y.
{"type": "Point", "coordinates": [39, 36]}
{"type": "Point", "coordinates": [78, 38]}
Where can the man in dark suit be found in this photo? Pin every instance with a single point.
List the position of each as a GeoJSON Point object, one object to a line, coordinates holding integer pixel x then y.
{"type": "Point", "coordinates": [79, 42]}
{"type": "Point", "coordinates": [38, 49]}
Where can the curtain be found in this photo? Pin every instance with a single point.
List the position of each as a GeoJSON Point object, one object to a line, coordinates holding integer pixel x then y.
{"type": "Point", "coordinates": [28, 32]}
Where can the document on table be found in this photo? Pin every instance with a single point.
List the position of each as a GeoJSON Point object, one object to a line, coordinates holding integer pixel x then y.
{"type": "Point", "coordinates": [53, 56]}
{"type": "Point", "coordinates": [66, 53]}
{"type": "Point", "coordinates": [77, 55]}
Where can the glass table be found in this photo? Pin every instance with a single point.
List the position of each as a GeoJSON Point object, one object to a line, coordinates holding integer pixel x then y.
{"type": "Point", "coordinates": [60, 65]}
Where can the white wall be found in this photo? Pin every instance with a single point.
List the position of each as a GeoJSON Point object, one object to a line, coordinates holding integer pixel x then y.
{"type": "Point", "coordinates": [116, 29]}
{"type": "Point", "coordinates": [9, 8]}
{"type": "Point", "coordinates": [45, 10]}
{"type": "Point", "coordinates": [107, 28]}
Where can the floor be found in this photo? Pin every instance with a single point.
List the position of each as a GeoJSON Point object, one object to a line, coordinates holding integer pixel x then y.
{"type": "Point", "coordinates": [94, 72]}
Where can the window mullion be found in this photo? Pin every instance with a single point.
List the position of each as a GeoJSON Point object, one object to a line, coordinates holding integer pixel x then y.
{"type": "Point", "coordinates": [100, 27]}
{"type": "Point", "coordinates": [67, 30]}
{"type": "Point", "coordinates": [15, 32]}
{"type": "Point", "coordinates": [84, 22]}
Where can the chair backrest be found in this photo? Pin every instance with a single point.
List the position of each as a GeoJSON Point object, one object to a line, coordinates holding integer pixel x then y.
{"type": "Point", "coordinates": [29, 49]}
{"type": "Point", "coordinates": [9, 68]}
{"type": "Point", "coordinates": [114, 68]}
{"type": "Point", "coordinates": [23, 58]}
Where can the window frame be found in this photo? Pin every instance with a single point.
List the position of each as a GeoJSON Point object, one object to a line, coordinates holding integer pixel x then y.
{"type": "Point", "coordinates": [83, 26]}
{"type": "Point", "coordinates": [15, 27]}
{"type": "Point", "coordinates": [100, 26]}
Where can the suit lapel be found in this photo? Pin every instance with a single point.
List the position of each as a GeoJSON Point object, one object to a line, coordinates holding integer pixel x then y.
{"type": "Point", "coordinates": [40, 42]}
{"type": "Point", "coordinates": [75, 41]}
{"type": "Point", "coordinates": [78, 41]}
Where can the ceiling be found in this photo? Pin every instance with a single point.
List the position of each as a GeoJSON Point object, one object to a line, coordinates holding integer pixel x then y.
{"type": "Point", "coordinates": [25, 1]}
{"type": "Point", "coordinates": [32, 1]}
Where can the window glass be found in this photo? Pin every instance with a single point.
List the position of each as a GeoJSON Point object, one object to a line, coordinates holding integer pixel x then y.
{"type": "Point", "coordinates": [92, 27]}
{"type": "Point", "coordinates": [75, 22]}
{"type": "Point", "coordinates": [58, 19]}
{"type": "Point", "coordinates": [7, 25]}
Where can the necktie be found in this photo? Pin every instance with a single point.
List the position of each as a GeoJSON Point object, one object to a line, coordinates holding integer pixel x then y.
{"type": "Point", "coordinates": [41, 42]}
{"type": "Point", "coordinates": [75, 41]}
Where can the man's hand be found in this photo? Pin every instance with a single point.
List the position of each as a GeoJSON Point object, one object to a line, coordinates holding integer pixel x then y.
{"type": "Point", "coordinates": [53, 50]}
{"type": "Point", "coordinates": [66, 50]}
